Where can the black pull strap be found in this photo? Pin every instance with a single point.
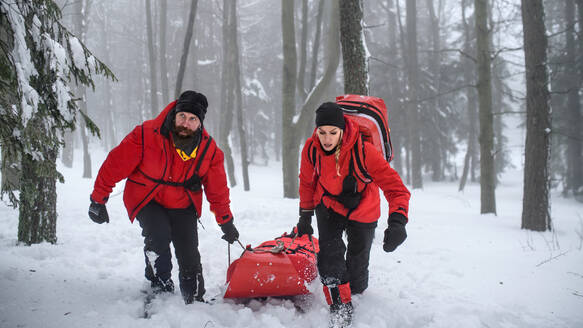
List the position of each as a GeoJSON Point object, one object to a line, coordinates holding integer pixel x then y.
{"type": "Point", "coordinates": [206, 148]}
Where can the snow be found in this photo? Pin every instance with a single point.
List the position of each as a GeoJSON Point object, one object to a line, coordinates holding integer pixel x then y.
{"type": "Point", "coordinates": [456, 269]}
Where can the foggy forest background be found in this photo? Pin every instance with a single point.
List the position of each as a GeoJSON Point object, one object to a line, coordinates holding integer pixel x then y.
{"type": "Point", "coordinates": [452, 73]}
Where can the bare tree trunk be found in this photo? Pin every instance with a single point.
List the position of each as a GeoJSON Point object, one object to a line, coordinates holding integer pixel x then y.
{"type": "Point", "coordinates": [68, 150]}
{"type": "Point", "coordinates": [413, 111]}
{"type": "Point", "coordinates": [353, 53]}
{"type": "Point", "coordinates": [163, 66]}
{"type": "Point", "coordinates": [470, 158]}
{"type": "Point", "coordinates": [487, 171]}
{"type": "Point", "coordinates": [575, 138]}
{"type": "Point", "coordinates": [152, 57]}
{"type": "Point", "coordinates": [535, 205]}
{"type": "Point", "coordinates": [81, 13]}
{"type": "Point", "coordinates": [312, 79]}
{"type": "Point", "coordinates": [186, 48]}
{"type": "Point", "coordinates": [289, 157]}
{"type": "Point", "coordinates": [316, 45]}
{"type": "Point", "coordinates": [292, 131]}
{"type": "Point", "coordinates": [239, 99]}
{"type": "Point", "coordinates": [437, 151]}
{"type": "Point", "coordinates": [227, 98]}
{"type": "Point", "coordinates": [303, 49]}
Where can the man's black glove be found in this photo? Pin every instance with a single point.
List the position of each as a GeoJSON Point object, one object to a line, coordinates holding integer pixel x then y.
{"type": "Point", "coordinates": [395, 234]}
{"type": "Point", "coordinates": [305, 223]}
{"type": "Point", "coordinates": [98, 212]}
{"type": "Point", "coordinates": [230, 232]}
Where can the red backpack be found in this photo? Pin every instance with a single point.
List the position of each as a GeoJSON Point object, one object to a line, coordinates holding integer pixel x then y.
{"type": "Point", "coordinates": [373, 120]}
{"type": "Point", "coordinates": [370, 113]}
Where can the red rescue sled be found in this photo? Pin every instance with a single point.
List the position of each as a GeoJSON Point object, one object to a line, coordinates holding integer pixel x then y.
{"type": "Point", "coordinates": [279, 267]}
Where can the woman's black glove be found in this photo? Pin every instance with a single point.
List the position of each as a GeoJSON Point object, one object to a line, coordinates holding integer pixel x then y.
{"type": "Point", "coordinates": [98, 212]}
{"type": "Point", "coordinates": [305, 223]}
{"type": "Point", "coordinates": [230, 232]}
{"type": "Point", "coordinates": [395, 234]}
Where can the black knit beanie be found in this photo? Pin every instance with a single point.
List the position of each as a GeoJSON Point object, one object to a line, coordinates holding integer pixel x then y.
{"type": "Point", "coordinates": [192, 102]}
{"type": "Point", "coordinates": [330, 113]}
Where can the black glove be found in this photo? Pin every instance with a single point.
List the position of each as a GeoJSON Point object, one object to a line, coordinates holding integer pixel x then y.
{"type": "Point", "coordinates": [395, 234]}
{"type": "Point", "coordinates": [98, 212]}
{"type": "Point", "coordinates": [305, 223]}
{"type": "Point", "coordinates": [230, 232]}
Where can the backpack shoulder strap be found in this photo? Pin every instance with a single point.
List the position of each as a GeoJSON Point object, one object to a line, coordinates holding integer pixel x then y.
{"type": "Point", "coordinates": [358, 158]}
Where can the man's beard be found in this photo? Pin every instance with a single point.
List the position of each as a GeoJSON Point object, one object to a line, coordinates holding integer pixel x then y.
{"type": "Point", "coordinates": [188, 141]}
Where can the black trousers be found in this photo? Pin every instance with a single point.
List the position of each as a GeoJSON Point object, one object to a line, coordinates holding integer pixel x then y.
{"type": "Point", "coordinates": [333, 267]}
{"type": "Point", "coordinates": [160, 226]}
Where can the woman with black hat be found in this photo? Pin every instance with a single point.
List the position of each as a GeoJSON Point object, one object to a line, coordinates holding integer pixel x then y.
{"type": "Point", "coordinates": [330, 186]}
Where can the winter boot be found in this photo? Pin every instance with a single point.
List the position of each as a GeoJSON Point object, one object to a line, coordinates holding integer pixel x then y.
{"type": "Point", "coordinates": [162, 286]}
{"type": "Point", "coordinates": [339, 299]}
{"type": "Point", "coordinates": [192, 287]}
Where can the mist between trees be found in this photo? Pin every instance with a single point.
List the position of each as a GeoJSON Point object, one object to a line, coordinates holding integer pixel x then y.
{"type": "Point", "coordinates": [453, 74]}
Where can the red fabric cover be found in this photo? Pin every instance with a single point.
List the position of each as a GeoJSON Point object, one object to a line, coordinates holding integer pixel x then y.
{"type": "Point", "coordinates": [323, 173]}
{"type": "Point", "coordinates": [146, 150]}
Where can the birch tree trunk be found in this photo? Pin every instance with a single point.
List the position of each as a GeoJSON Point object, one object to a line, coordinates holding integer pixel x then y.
{"type": "Point", "coordinates": [535, 205]}
{"type": "Point", "coordinates": [487, 171]}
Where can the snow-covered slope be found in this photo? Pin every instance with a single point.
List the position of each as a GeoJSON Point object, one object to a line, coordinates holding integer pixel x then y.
{"type": "Point", "coordinates": [456, 269]}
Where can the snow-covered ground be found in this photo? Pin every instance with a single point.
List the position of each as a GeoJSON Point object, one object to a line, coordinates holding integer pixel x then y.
{"type": "Point", "coordinates": [457, 268]}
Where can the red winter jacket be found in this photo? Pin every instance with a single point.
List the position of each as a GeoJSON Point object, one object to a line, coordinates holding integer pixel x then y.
{"type": "Point", "coordinates": [323, 174]}
{"type": "Point", "coordinates": [148, 153]}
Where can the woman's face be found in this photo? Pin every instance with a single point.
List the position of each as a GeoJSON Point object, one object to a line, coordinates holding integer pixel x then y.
{"type": "Point", "coordinates": [329, 136]}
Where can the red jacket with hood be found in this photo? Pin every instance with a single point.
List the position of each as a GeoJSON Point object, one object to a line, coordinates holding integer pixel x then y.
{"type": "Point", "coordinates": [148, 152]}
{"type": "Point", "coordinates": [322, 174]}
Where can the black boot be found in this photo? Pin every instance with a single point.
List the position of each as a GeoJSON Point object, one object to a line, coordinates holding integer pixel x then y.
{"type": "Point", "coordinates": [341, 315]}
{"type": "Point", "coordinates": [339, 299]}
{"type": "Point", "coordinates": [162, 286]}
{"type": "Point", "coordinates": [192, 287]}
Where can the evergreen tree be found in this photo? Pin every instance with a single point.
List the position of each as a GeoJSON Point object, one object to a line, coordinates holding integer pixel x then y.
{"type": "Point", "coordinates": [42, 60]}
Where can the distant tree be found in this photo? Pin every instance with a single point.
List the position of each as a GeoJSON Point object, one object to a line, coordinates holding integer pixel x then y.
{"type": "Point", "coordinates": [574, 116]}
{"type": "Point", "coordinates": [163, 54]}
{"type": "Point", "coordinates": [227, 94]}
{"type": "Point", "coordinates": [238, 96]}
{"type": "Point", "coordinates": [81, 17]}
{"type": "Point", "coordinates": [293, 127]}
{"type": "Point", "coordinates": [413, 105]}
{"type": "Point", "coordinates": [152, 60]}
{"type": "Point", "coordinates": [353, 54]}
{"type": "Point", "coordinates": [535, 205]}
{"type": "Point", "coordinates": [42, 60]}
{"type": "Point", "coordinates": [185, 48]}
{"type": "Point", "coordinates": [471, 158]}
{"type": "Point", "coordinates": [487, 171]}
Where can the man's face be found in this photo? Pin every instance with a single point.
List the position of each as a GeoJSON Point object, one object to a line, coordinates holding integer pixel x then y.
{"type": "Point", "coordinates": [186, 124]}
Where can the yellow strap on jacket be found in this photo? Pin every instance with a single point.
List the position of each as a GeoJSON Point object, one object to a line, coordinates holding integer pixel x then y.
{"type": "Point", "coordinates": [185, 157]}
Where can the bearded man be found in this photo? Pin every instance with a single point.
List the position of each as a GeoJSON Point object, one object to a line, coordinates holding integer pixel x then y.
{"type": "Point", "coordinates": [168, 162]}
